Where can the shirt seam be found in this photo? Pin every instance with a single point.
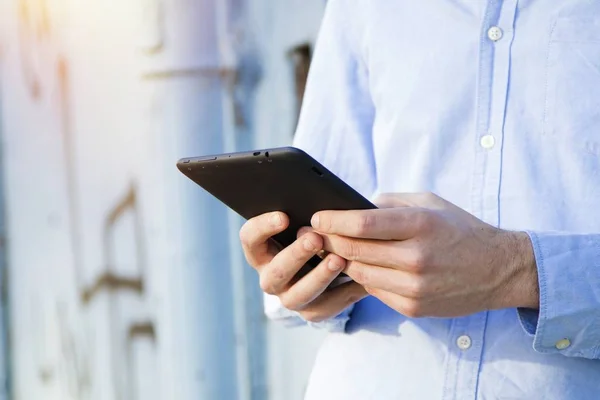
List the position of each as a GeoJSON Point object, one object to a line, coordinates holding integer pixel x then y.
{"type": "Point", "coordinates": [541, 326]}
{"type": "Point", "coordinates": [546, 74]}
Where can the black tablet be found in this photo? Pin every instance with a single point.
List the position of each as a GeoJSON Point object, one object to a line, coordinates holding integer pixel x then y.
{"type": "Point", "coordinates": [280, 179]}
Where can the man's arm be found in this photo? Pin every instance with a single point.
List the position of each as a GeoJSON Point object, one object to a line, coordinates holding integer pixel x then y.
{"type": "Point", "coordinates": [567, 320]}
{"type": "Point", "coordinates": [424, 256]}
{"type": "Point", "coordinates": [336, 120]}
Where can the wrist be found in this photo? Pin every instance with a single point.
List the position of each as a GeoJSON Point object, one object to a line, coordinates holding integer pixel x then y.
{"type": "Point", "coordinates": [520, 285]}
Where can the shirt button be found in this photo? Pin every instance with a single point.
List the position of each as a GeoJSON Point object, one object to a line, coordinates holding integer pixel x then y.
{"type": "Point", "coordinates": [487, 141]}
{"type": "Point", "coordinates": [495, 33]}
{"type": "Point", "coordinates": [563, 344]}
{"type": "Point", "coordinates": [463, 342]}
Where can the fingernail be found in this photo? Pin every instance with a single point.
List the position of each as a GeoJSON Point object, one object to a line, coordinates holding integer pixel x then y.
{"type": "Point", "coordinates": [334, 266]}
{"type": "Point", "coordinates": [303, 231]}
{"type": "Point", "coordinates": [276, 220]}
{"type": "Point", "coordinates": [315, 221]}
{"type": "Point", "coordinates": [308, 246]}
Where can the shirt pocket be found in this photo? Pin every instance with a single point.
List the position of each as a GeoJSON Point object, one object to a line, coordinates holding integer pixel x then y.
{"type": "Point", "coordinates": [572, 110]}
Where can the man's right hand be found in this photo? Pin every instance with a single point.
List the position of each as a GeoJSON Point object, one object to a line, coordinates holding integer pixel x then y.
{"type": "Point", "coordinates": [309, 295]}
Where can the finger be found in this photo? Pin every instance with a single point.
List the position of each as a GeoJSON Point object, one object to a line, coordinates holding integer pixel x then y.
{"type": "Point", "coordinates": [395, 281]}
{"type": "Point", "coordinates": [389, 200]}
{"type": "Point", "coordinates": [304, 230]}
{"type": "Point", "coordinates": [332, 302]}
{"type": "Point", "coordinates": [423, 199]}
{"type": "Point", "coordinates": [405, 306]}
{"type": "Point", "coordinates": [313, 284]}
{"type": "Point", "coordinates": [276, 276]}
{"type": "Point", "coordinates": [384, 253]}
{"type": "Point", "coordinates": [383, 224]}
{"type": "Point", "coordinates": [255, 235]}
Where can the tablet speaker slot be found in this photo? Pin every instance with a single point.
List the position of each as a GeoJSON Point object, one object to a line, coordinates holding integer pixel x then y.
{"type": "Point", "coordinates": [317, 171]}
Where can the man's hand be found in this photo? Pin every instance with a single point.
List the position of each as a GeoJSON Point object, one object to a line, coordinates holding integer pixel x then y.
{"type": "Point", "coordinates": [423, 256]}
{"type": "Point", "coordinates": [308, 295]}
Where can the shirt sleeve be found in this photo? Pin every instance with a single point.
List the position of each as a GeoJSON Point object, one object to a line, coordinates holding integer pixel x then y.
{"type": "Point", "coordinates": [276, 312]}
{"type": "Point", "coordinates": [568, 320]}
{"type": "Point", "coordinates": [336, 120]}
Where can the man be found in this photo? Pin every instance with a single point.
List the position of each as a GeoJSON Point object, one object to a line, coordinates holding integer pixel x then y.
{"type": "Point", "coordinates": [492, 289]}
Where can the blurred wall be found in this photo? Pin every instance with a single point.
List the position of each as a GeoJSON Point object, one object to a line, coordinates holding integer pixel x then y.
{"type": "Point", "coordinates": [4, 353]}
{"type": "Point", "coordinates": [125, 279]}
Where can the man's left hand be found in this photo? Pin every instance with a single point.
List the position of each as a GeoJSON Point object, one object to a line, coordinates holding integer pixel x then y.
{"type": "Point", "coordinates": [424, 256]}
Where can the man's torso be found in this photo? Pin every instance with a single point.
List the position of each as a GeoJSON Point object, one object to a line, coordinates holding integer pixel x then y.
{"type": "Point", "coordinates": [507, 128]}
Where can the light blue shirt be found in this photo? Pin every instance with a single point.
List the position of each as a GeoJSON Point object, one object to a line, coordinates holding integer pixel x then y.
{"type": "Point", "coordinates": [495, 106]}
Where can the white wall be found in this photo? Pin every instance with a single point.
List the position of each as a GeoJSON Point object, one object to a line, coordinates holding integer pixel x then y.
{"type": "Point", "coordinates": [99, 101]}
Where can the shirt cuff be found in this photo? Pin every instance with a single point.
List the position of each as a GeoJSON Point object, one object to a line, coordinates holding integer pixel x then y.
{"type": "Point", "coordinates": [275, 311]}
{"type": "Point", "coordinates": [568, 320]}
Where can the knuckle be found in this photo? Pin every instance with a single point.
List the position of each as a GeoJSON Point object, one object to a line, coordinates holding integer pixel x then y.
{"type": "Point", "coordinates": [275, 274]}
{"type": "Point", "coordinates": [417, 288]}
{"type": "Point", "coordinates": [251, 234]}
{"type": "Point", "coordinates": [412, 309]}
{"type": "Point", "coordinates": [352, 250]}
{"type": "Point", "coordinates": [365, 223]}
{"type": "Point", "coordinates": [244, 234]}
{"type": "Point", "coordinates": [266, 285]}
{"type": "Point", "coordinates": [417, 258]}
{"type": "Point", "coordinates": [362, 276]}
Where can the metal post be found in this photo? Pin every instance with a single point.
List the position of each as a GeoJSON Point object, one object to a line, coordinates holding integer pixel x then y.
{"type": "Point", "coordinates": [4, 298]}
{"type": "Point", "coordinates": [238, 53]}
{"type": "Point", "coordinates": [184, 79]}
